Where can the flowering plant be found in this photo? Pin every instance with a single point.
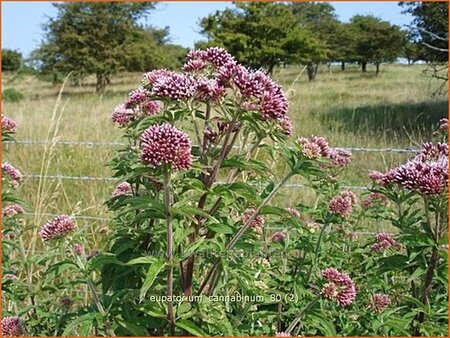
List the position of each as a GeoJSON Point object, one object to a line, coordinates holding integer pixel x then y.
{"type": "Point", "coordinates": [202, 245]}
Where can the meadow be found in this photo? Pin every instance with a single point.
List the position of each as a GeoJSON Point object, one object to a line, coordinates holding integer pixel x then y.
{"type": "Point", "coordinates": [66, 139]}
{"type": "Point", "coordinates": [394, 110]}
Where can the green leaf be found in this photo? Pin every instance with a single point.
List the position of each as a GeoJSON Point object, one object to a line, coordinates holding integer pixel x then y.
{"type": "Point", "coordinates": [192, 248]}
{"type": "Point", "coordinates": [141, 260]}
{"type": "Point", "coordinates": [189, 327]}
{"type": "Point", "coordinates": [132, 328]}
{"type": "Point", "coordinates": [101, 260]}
{"type": "Point", "coordinates": [152, 272]}
{"type": "Point", "coordinates": [220, 228]}
{"type": "Point", "coordinates": [60, 267]}
{"type": "Point", "coordinates": [395, 262]}
{"type": "Point", "coordinates": [83, 320]}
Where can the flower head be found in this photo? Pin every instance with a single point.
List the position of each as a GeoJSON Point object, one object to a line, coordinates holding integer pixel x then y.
{"type": "Point", "coordinates": [278, 236]}
{"type": "Point", "coordinates": [293, 212]}
{"type": "Point", "coordinates": [282, 334]}
{"type": "Point", "coordinates": [342, 204]}
{"type": "Point", "coordinates": [164, 144]}
{"type": "Point", "coordinates": [151, 107]}
{"type": "Point", "coordinates": [174, 86]}
{"type": "Point", "coordinates": [339, 287]}
{"type": "Point", "coordinates": [10, 276]}
{"type": "Point", "coordinates": [57, 227]}
{"type": "Point", "coordinates": [218, 56]}
{"type": "Point", "coordinates": [257, 223]}
{"type": "Point", "coordinates": [314, 147]}
{"type": "Point", "coordinates": [136, 97]}
{"type": "Point", "coordinates": [384, 241]}
{"type": "Point", "coordinates": [123, 189]}
{"type": "Point", "coordinates": [375, 199]}
{"type": "Point", "coordinates": [8, 124]}
{"type": "Point", "coordinates": [122, 115]}
{"type": "Point", "coordinates": [12, 327]}
{"type": "Point", "coordinates": [12, 210]}
{"type": "Point", "coordinates": [13, 174]}
{"type": "Point", "coordinates": [340, 157]}
{"type": "Point", "coordinates": [209, 89]}
{"type": "Point", "coordinates": [78, 248]}
{"type": "Point", "coordinates": [380, 302]}
{"type": "Point", "coordinates": [149, 78]}
{"type": "Point", "coordinates": [426, 173]}
{"type": "Point", "coordinates": [443, 124]}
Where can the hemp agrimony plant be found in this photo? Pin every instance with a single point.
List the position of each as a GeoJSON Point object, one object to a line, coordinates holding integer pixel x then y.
{"type": "Point", "coordinates": [204, 243]}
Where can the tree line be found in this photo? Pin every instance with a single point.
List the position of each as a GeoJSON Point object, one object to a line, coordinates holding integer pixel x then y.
{"type": "Point", "coordinates": [104, 38]}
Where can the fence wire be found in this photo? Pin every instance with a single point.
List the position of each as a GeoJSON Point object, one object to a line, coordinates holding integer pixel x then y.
{"type": "Point", "coordinates": [92, 178]}
{"type": "Point", "coordinates": [93, 218]}
{"type": "Point", "coordinates": [91, 144]}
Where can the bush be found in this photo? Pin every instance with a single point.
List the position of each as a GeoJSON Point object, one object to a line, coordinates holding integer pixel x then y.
{"type": "Point", "coordinates": [12, 95]}
{"type": "Point", "coordinates": [11, 60]}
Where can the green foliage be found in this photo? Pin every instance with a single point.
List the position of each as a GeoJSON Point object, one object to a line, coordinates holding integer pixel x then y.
{"type": "Point", "coordinates": [90, 38]}
{"type": "Point", "coordinates": [11, 60]}
{"type": "Point", "coordinates": [375, 41]}
{"type": "Point", "coordinates": [12, 95]}
{"type": "Point", "coordinates": [260, 34]}
{"type": "Point", "coordinates": [430, 28]}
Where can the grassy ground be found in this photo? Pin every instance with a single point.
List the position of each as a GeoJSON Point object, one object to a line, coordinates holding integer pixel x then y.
{"type": "Point", "coordinates": [393, 110]}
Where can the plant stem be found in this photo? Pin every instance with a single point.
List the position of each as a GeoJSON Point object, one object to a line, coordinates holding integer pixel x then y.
{"type": "Point", "coordinates": [316, 252]}
{"type": "Point", "coordinates": [170, 316]}
{"type": "Point", "coordinates": [300, 315]}
{"type": "Point", "coordinates": [244, 227]}
{"type": "Point", "coordinates": [95, 296]}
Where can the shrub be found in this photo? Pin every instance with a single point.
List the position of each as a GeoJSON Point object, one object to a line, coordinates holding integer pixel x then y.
{"type": "Point", "coordinates": [12, 95]}
{"type": "Point", "coordinates": [11, 60]}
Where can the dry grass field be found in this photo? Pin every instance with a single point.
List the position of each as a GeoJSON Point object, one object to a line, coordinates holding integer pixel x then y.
{"type": "Point", "coordinates": [393, 110]}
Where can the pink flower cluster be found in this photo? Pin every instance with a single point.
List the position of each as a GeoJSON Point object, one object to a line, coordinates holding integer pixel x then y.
{"type": "Point", "coordinates": [316, 147]}
{"type": "Point", "coordinates": [278, 236]}
{"type": "Point", "coordinates": [426, 173]}
{"type": "Point", "coordinates": [443, 124]}
{"type": "Point", "coordinates": [293, 212]}
{"type": "Point", "coordinates": [8, 124]}
{"type": "Point", "coordinates": [339, 287]}
{"type": "Point", "coordinates": [374, 199]}
{"type": "Point", "coordinates": [57, 227]}
{"type": "Point", "coordinates": [12, 327]}
{"type": "Point", "coordinates": [12, 210]}
{"type": "Point", "coordinates": [343, 203]}
{"type": "Point", "coordinates": [380, 302]}
{"type": "Point", "coordinates": [123, 189]}
{"type": "Point", "coordinates": [10, 276]}
{"type": "Point", "coordinates": [164, 144]}
{"type": "Point", "coordinates": [257, 223]}
{"type": "Point", "coordinates": [122, 115]}
{"type": "Point", "coordinates": [14, 174]}
{"type": "Point", "coordinates": [282, 334]}
{"type": "Point", "coordinates": [384, 241]}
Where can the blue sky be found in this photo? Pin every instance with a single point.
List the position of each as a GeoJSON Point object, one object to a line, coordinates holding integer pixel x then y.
{"type": "Point", "coordinates": [22, 21]}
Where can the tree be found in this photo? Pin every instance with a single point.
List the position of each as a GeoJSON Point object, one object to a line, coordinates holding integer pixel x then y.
{"type": "Point", "coordinates": [11, 60]}
{"type": "Point", "coordinates": [375, 41]}
{"type": "Point", "coordinates": [150, 49]}
{"type": "Point", "coordinates": [321, 23]}
{"type": "Point", "coordinates": [413, 52]}
{"type": "Point", "coordinates": [259, 35]}
{"type": "Point", "coordinates": [90, 38]}
{"type": "Point", "coordinates": [430, 28]}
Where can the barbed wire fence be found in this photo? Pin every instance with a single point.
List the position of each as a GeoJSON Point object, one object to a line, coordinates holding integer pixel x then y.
{"type": "Point", "coordinates": [92, 144]}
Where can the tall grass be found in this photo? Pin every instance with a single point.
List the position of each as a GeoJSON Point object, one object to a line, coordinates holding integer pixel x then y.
{"type": "Point", "coordinates": [392, 110]}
